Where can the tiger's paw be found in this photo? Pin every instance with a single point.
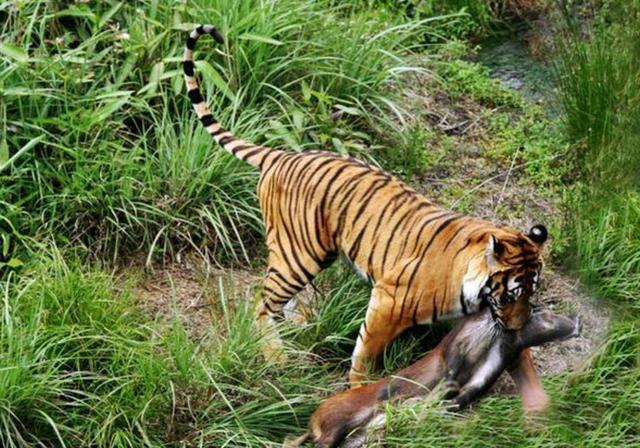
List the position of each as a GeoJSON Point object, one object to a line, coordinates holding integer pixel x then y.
{"type": "Point", "coordinates": [298, 311]}
{"type": "Point", "coordinates": [355, 378]}
{"type": "Point", "coordinates": [273, 351]}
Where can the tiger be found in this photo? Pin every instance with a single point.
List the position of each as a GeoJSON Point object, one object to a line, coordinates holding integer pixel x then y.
{"type": "Point", "coordinates": [424, 262]}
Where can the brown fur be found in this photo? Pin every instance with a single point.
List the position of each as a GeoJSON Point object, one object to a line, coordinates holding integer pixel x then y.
{"type": "Point", "coordinates": [425, 263]}
{"type": "Point", "coordinates": [469, 360]}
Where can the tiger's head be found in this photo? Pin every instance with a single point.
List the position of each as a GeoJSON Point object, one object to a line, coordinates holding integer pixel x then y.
{"type": "Point", "coordinates": [515, 264]}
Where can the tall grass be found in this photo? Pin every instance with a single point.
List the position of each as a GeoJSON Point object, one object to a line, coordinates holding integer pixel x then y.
{"type": "Point", "coordinates": [75, 369]}
{"type": "Point", "coordinates": [80, 367]}
{"type": "Point", "coordinates": [607, 244]}
{"type": "Point", "coordinates": [598, 76]}
{"type": "Point", "coordinates": [99, 146]}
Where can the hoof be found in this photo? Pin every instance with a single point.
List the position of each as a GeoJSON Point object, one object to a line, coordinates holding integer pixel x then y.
{"type": "Point", "coordinates": [535, 403]}
{"type": "Point", "coordinates": [450, 389]}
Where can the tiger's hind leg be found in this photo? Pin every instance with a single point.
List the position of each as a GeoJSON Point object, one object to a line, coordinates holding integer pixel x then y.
{"type": "Point", "coordinates": [270, 308]}
{"type": "Point", "coordinates": [281, 283]}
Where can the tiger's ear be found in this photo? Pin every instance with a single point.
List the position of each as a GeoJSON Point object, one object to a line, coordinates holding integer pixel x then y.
{"type": "Point", "coordinates": [495, 250]}
{"type": "Point", "coordinates": [538, 234]}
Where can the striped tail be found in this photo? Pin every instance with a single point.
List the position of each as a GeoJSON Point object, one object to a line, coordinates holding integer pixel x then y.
{"type": "Point", "coordinates": [250, 153]}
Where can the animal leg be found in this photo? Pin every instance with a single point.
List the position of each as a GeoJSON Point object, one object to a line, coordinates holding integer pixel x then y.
{"type": "Point", "coordinates": [281, 283]}
{"type": "Point", "coordinates": [524, 374]}
{"type": "Point", "coordinates": [485, 374]}
{"type": "Point", "coordinates": [382, 324]}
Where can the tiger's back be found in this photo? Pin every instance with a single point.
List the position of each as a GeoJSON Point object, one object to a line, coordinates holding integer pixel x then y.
{"type": "Point", "coordinates": [325, 204]}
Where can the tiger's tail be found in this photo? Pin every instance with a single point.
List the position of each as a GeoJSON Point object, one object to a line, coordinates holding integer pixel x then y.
{"type": "Point", "coordinates": [253, 154]}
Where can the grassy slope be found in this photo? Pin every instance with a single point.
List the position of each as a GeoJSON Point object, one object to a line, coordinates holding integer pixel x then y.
{"type": "Point", "coordinates": [119, 166]}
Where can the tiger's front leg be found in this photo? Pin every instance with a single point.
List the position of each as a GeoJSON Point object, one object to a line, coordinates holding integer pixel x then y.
{"type": "Point", "coordinates": [382, 324]}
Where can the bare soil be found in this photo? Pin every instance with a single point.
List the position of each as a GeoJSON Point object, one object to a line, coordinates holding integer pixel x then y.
{"type": "Point", "coordinates": [190, 291]}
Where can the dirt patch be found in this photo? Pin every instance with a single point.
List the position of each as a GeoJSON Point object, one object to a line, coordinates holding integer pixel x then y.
{"type": "Point", "coordinates": [191, 292]}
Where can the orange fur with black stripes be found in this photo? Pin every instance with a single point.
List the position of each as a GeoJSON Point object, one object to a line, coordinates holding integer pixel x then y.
{"type": "Point", "coordinates": [425, 263]}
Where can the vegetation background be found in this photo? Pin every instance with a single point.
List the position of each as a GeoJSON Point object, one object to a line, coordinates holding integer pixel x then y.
{"type": "Point", "coordinates": [105, 175]}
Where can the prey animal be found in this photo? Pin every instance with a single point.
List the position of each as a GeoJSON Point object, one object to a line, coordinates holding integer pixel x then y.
{"type": "Point", "coordinates": [467, 362]}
